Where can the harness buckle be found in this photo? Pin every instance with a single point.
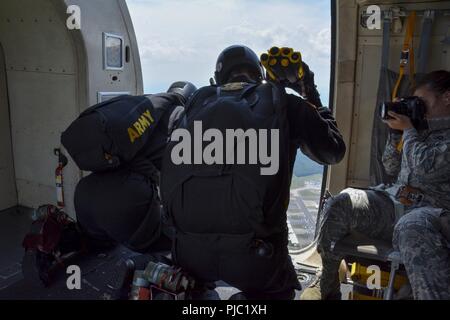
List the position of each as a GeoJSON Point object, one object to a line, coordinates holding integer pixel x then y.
{"type": "Point", "coordinates": [409, 196]}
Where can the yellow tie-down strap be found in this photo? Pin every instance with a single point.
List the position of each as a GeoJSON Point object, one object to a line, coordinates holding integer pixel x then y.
{"type": "Point", "coordinates": [407, 55]}
{"type": "Point", "coordinates": [407, 58]}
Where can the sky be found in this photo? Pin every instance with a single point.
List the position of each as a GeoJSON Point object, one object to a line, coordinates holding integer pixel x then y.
{"type": "Point", "coordinates": [181, 40]}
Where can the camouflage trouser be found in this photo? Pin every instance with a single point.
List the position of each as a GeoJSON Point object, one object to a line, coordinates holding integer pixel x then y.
{"type": "Point", "coordinates": [425, 252]}
{"type": "Point", "coordinates": [422, 246]}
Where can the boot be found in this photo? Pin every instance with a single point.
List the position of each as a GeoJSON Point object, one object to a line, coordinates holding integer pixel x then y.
{"type": "Point", "coordinates": [325, 287]}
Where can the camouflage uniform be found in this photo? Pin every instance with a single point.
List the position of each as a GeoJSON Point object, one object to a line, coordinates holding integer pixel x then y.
{"type": "Point", "coordinates": [419, 232]}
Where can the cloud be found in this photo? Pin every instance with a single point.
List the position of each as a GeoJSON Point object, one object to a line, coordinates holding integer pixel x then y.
{"type": "Point", "coordinates": [180, 40]}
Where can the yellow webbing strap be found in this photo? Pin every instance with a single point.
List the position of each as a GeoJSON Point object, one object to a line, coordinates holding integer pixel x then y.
{"type": "Point", "coordinates": [407, 58]}
{"type": "Point", "coordinates": [400, 145]}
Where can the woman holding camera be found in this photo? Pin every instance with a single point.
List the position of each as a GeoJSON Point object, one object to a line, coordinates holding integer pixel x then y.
{"type": "Point", "coordinates": [414, 213]}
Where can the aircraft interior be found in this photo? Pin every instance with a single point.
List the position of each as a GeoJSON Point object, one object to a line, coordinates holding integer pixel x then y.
{"type": "Point", "coordinates": [49, 74]}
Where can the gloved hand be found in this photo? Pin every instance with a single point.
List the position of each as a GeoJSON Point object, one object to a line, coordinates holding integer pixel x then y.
{"type": "Point", "coordinates": [286, 67]}
{"type": "Point", "coordinates": [306, 87]}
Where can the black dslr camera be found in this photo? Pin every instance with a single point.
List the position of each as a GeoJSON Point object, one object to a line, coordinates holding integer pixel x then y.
{"type": "Point", "coordinates": [412, 107]}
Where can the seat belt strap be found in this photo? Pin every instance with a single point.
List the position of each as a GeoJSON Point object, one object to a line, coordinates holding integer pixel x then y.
{"type": "Point", "coordinates": [412, 58]}
{"type": "Point", "coordinates": [387, 21]}
{"type": "Point", "coordinates": [427, 28]}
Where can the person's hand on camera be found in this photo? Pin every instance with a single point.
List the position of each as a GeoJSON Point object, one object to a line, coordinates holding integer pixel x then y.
{"type": "Point", "coordinates": [399, 122]}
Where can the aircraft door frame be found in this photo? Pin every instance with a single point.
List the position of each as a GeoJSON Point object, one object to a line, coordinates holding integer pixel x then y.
{"type": "Point", "coordinates": [8, 188]}
{"type": "Point", "coordinates": [326, 170]}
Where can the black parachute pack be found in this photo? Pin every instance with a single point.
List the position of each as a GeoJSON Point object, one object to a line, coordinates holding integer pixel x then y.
{"type": "Point", "coordinates": [229, 198]}
{"type": "Point", "coordinates": [112, 133]}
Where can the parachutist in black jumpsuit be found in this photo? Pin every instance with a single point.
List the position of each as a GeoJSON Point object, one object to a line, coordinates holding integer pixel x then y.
{"type": "Point", "coordinates": [210, 256]}
{"type": "Point", "coordinates": [123, 205]}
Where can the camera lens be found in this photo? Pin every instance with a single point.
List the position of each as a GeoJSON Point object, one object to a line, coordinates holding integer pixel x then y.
{"type": "Point", "coordinates": [412, 107]}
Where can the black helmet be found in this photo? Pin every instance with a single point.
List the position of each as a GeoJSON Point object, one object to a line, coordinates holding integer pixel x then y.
{"type": "Point", "coordinates": [237, 56]}
{"type": "Point", "coordinates": [183, 89]}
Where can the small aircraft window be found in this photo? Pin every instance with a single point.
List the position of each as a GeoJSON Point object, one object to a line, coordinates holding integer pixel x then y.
{"type": "Point", "coordinates": [113, 51]}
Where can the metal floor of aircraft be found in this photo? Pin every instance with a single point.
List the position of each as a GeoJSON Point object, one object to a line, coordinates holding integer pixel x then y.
{"type": "Point", "coordinates": [97, 269]}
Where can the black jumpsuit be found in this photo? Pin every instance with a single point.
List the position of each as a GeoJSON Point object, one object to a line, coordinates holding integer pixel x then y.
{"type": "Point", "coordinates": [211, 256]}
{"type": "Point", "coordinates": [123, 205]}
